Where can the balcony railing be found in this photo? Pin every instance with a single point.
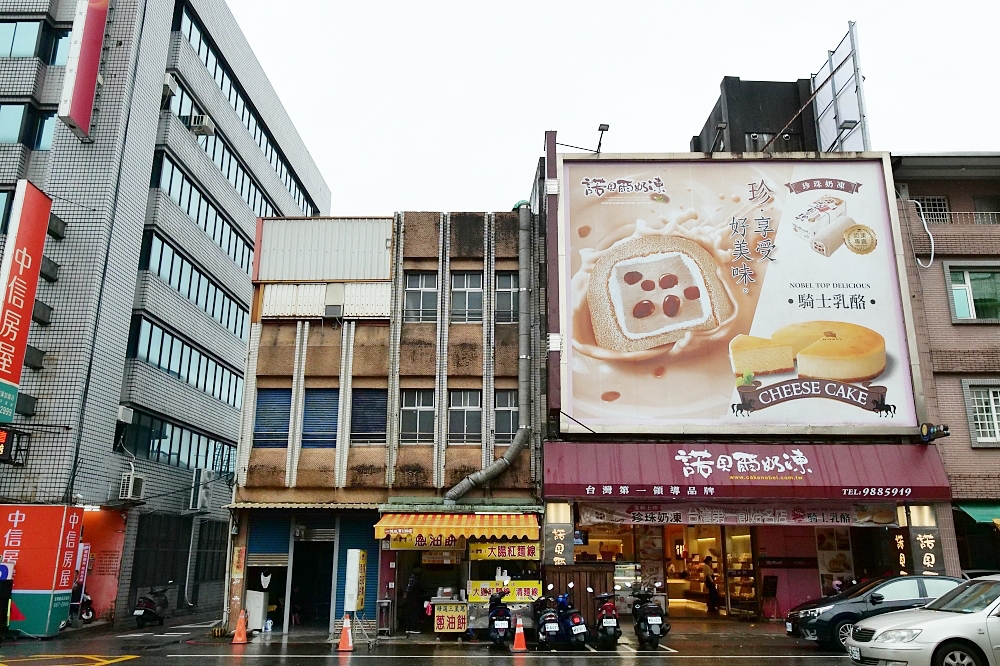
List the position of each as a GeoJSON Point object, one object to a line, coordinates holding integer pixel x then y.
{"type": "Point", "coordinates": [938, 217]}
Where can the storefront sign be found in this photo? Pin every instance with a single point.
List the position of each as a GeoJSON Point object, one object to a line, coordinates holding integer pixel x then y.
{"type": "Point", "coordinates": [22, 259]}
{"type": "Point", "coordinates": [927, 553]}
{"type": "Point", "coordinates": [737, 514]}
{"type": "Point", "coordinates": [239, 562]}
{"type": "Point", "coordinates": [750, 296]}
{"type": "Point", "coordinates": [787, 563]}
{"type": "Point", "coordinates": [450, 617]}
{"type": "Point", "coordinates": [354, 585]}
{"type": "Point", "coordinates": [504, 550]}
{"type": "Point", "coordinates": [480, 591]}
{"type": "Point", "coordinates": [419, 541]}
{"type": "Point", "coordinates": [835, 557]}
{"type": "Point", "coordinates": [559, 544]}
{"type": "Point", "coordinates": [440, 557]}
{"type": "Point", "coordinates": [76, 105]}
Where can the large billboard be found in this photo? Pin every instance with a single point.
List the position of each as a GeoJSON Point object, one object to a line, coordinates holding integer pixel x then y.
{"type": "Point", "coordinates": [734, 295]}
{"type": "Point", "coordinates": [83, 64]}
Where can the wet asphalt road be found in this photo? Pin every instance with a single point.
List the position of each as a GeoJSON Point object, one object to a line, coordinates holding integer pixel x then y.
{"type": "Point", "coordinates": [193, 646]}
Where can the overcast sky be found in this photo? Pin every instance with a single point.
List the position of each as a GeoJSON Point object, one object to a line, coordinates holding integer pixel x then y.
{"type": "Point", "coordinates": [444, 105]}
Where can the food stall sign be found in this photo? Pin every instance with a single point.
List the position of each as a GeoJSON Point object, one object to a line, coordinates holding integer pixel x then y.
{"type": "Point", "coordinates": [424, 541]}
{"type": "Point", "coordinates": [450, 617]}
{"type": "Point", "coordinates": [504, 550]}
{"type": "Point", "coordinates": [480, 591]}
{"type": "Point", "coordinates": [440, 557]}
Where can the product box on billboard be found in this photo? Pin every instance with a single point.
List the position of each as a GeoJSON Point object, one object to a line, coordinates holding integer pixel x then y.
{"type": "Point", "coordinates": [750, 295]}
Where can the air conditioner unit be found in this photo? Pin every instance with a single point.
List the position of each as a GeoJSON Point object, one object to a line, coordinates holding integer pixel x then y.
{"type": "Point", "coordinates": [201, 489]}
{"type": "Point", "coordinates": [169, 86]}
{"type": "Point", "coordinates": [125, 414]}
{"type": "Point", "coordinates": [202, 125]}
{"type": "Point", "coordinates": [133, 487]}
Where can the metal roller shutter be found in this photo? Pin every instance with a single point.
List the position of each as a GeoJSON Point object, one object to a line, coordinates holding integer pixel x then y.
{"type": "Point", "coordinates": [319, 418]}
{"type": "Point", "coordinates": [320, 527]}
{"type": "Point", "coordinates": [368, 413]}
{"type": "Point", "coordinates": [270, 428]}
{"type": "Point", "coordinates": [267, 544]}
{"type": "Point", "coordinates": [357, 530]}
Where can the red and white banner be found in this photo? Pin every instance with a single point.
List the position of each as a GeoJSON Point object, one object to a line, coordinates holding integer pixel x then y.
{"type": "Point", "coordinates": [22, 259]}
{"type": "Point", "coordinates": [76, 105]}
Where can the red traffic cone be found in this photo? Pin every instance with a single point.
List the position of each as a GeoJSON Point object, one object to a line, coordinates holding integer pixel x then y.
{"type": "Point", "coordinates": [519, 644]}
{"type": "Point", "coordinates": [346, 641]}
{"type": "Point", "coordinates": [240, 636]}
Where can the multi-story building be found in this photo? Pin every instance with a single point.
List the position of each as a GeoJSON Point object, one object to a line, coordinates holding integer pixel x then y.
{"type": "Point", "coordinates": [147, 292]}
{"type": "Point", "coordinates": [950, 213]}
{"type": "Point", "coordinates": [390, 407]}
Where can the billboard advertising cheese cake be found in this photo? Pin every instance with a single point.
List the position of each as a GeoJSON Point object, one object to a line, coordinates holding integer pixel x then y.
{"type": "Point", "coordinates": [732, 295]}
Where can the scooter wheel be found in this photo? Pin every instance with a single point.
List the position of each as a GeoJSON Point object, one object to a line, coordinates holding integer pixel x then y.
{"type": "Point", "coordinates": [140, 622]}
{"type": "Point", "coordinates": [161, 621]}
{"type": "Point", "coordinates": [87, 615]}
{"type": "Point", "coordinates": [654, 642]}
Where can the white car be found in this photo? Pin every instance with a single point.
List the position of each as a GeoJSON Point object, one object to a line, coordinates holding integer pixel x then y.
{"type": "Point", "coordinates": [961, 628]}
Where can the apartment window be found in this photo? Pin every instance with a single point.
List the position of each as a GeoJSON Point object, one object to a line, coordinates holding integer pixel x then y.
{"type": "Point", "coordinates": [20, 39]}
{"type": "Point", "coordinates": [271, 418]}
{"type": "Point", "coordinates": [150, 437]}
{"type": "Point", "coordinates": [935, 209]}
{"type": "Point", "coordinates": [368, 416]}
{"type": "Point", "coordinates": [976, 293]}
{"type": "Point", "coordinates": [416, 420]}
{"type": "Point", "coordinates": [466, 297]}
{"type": "Point", "coordinates": [162, 349]}
{"type": "Point", "coordinates": [6, 199]}
{"type": "Point", "coordinates": [420, 298]}
{"type": "Point", "coordinates": [11, 122]}
{"type": "Point", "coordinates": [507, 297]}
{"type": "Point", "coordinates": [505, 416]}
{"type": "Point", "coordinates": [215, 147]}
{"type": "Point", "coordinates": [465, 417]}
{"type": "Point", "coordinates": [986, 413]}
{"type": "Point", "coordinates": [182, 192]}
{"type": "Point", "coordinates": [160, 258]}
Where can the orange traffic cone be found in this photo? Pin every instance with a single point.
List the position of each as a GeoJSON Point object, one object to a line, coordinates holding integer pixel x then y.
{"type": "Point", "coordinates": [519, 644]}
{"type": "Point", "coordinates": [240, 637]}
{"type": "Point", "coordinates": [346, 641]}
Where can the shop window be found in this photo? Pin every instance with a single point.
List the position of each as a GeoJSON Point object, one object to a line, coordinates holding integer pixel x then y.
{"type": "Point", "coordinates": [900, 590]}
{"type": "Point", "coordinates": [984, 407]}
{"type": "Point", "coordinates": [417, 417]}
{"type": "Point", "coordinates": [975, 293]}
{"type": "Point", "coordinates": [505, 416]}
{"type": "Point", "coordinates": [420, 298]}
{"type": "Point", "coordinates": [465, 417]}
{"type": "Point", "coordinates": [466, 297]}
{"type": "Point", "coordinates": [506, 297]}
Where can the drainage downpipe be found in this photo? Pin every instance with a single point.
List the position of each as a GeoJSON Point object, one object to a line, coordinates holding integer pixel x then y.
{"type": "Point", "coordinates": [523, 435]}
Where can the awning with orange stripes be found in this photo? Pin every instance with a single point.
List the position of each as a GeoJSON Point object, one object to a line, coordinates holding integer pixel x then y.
{"type": "Point", "coordinates": [482, 525]}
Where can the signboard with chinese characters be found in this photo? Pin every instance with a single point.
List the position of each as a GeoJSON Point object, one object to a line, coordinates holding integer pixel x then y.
{"type": "Point", "coordinates": [450, 617]}
{"type": "Point", "coordinates": [480, 591]}
{"type": "Point", "coordinates": [440, 557]}
{"type": "Point", "coordinates": [927, 552]}
{"type": "Point", "coordinates": [720, 296]}
{"type": "Point", "coordinates": [420, 541]}
{"type": "Point", "coordinates": [559, 550]}
{"type": "Point", "coordinates": [687, 513]}
{"type": "Point", "coordinates": [22, 259]}
{"type": "Point", "coordinates": [354, 583]}
{"type": "Point", "coordinates": [504, 550]}
{"type": "Point", "coordinates": [42, 541]}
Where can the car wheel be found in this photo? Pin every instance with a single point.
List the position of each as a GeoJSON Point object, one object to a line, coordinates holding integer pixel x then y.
{"type": "Point", "coordinates": [957, 654]}
{"type": "Point", "coordinates": [841, 632]}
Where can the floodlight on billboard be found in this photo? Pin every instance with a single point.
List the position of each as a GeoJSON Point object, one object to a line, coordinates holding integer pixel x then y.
{"type": "Point", "coordinates": [841, 119]}
{"type": "Point", "coordinates": [732, 296]}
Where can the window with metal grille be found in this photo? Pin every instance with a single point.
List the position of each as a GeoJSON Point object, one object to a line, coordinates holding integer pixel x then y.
{"type": "Point", "coordinates": [505, 416]}
{"type": "Point", "coordinates": [420, 297]}
{"type": "Point", "coordinates": [986, 413]}
{"type": "Point", "coordinates": [368, 416]}
{"type": "Point", "coordinates": [976, 293]}
{"type": "Point", "coordinates": [935, 209]}
{"type": "Point", "coordinates": [161, 550]}
{"type": "Point", "coordinates": [270, 427]}
{"type": "Point", "coordinates": [211, 554]}
{"type": "Point", "coordinates": [506, 297]}
{"type": "Point", "coordinates": [416, 417]}
{"type": "Point", "coordinates": [466, 297]}
{"type": "Point", "coordinates": [319, 418]}
{"type": "Point", "coordinates": [465, 417]}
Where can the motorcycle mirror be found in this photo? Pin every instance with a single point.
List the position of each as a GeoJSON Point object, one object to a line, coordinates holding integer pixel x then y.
{"type": "Point", "coordinates": [590, 589]}
{"type": "Point", "coordinates": [549, 587]}
{"type": "Point", "coordinates": [618, 587]}
{"type": "Point", "coordinates": [570, 585]}
{"type": "Point", "coordinates": [658, 584]}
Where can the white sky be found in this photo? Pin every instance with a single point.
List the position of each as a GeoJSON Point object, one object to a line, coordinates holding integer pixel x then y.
{"type": "Point", "coordinates": [443, 105]}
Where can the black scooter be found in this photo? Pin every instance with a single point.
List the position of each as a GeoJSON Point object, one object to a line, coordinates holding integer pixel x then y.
{"type": "Point", "coordinates": [152, 607]}
{"type": "Point", "coordinates": [499, 618]}
{"type": "Point", "coordinates": [648, 619]}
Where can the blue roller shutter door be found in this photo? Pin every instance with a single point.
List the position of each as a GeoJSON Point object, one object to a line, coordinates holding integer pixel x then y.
{"type": "Point", "coordinates": [267, 543]}
{"type": "Point", "coordinates": [368, 414]}
{"type": "Point", "coordinates": [357, 530]}
{"type": "Point", "coordinates": [270, 427]}
{"type": "Point", "coordinates": [319, 418]}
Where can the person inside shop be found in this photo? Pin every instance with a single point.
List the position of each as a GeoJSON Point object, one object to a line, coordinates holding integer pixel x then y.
{"type": "Point", "coordinates": [411, 603]}
{"type": "Point", "coordinates": [713, 591]}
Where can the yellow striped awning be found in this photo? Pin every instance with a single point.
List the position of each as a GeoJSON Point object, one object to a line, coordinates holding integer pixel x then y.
{"type": "Point", "coordinates": [482, 525]}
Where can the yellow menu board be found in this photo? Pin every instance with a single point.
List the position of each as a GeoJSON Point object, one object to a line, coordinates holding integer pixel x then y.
{"type": "Point", "coordinates": [518, 590]}
{"type": "Point", "coordinates": [450, 617]}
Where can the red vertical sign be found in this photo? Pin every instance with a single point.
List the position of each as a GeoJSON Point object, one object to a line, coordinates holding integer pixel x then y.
{"type": "Point", "coordinates": [76, 105]}
{"type": "Point", "coordinates": [32, 537]}
{"type": "Point", "coordinates": [22, 259]}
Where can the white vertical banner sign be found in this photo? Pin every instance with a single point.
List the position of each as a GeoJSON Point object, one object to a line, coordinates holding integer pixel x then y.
{"type": "Point", "coordinates": [354, 584]}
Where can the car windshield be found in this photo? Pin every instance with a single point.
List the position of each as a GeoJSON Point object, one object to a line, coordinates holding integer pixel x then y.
{"type": "Point", "coordinates": [970, 597]}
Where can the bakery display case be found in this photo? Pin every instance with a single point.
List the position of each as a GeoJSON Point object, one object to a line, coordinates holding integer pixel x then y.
{"type": "Point", "coordinates": [741, 574]}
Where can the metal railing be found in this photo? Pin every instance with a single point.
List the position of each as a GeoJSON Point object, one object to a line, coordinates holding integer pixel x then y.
{"type": "Point", "coordinates": [951, 217]}
{"type": "Point", "coordinates": [367, 440]}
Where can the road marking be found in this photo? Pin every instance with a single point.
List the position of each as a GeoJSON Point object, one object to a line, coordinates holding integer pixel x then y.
{"type": "Point", "coordinates": [533, 655]}
{"type": "Point", "coordinates": [629, 648]}
{"type": "Point", "coordinates": [592, 648]}
{"type": "Point", "coordinates": [175, 633]}
{"type": "Point", "coordinates": [89, 659]}
{"type": "Point", "coordinates": [200, 625]}
{"type": "Point", "coordinates": [148, 633]}
{"type": "Point", "coordinates": [664, 647]}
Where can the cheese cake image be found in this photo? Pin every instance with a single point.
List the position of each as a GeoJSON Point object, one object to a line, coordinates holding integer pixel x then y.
{"type": "Point", "coordinates": [817, 349]}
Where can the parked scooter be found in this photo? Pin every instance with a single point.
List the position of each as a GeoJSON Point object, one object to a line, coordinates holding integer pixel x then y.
{"type": "Point", "coordinates": [608, 631]}
{"type": "Point", "coordinates": [648, 618]}
{"type": "Point", "coordinates": [546, 620]}
{"type": "Point", "coordinates": [571, 622]}
{"type": "Point", "coordinates": [152, 607]}
{"type": "Point", "coordinates": [499, 618]}
{"type": "Point", "coordinates": [86, 608]}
